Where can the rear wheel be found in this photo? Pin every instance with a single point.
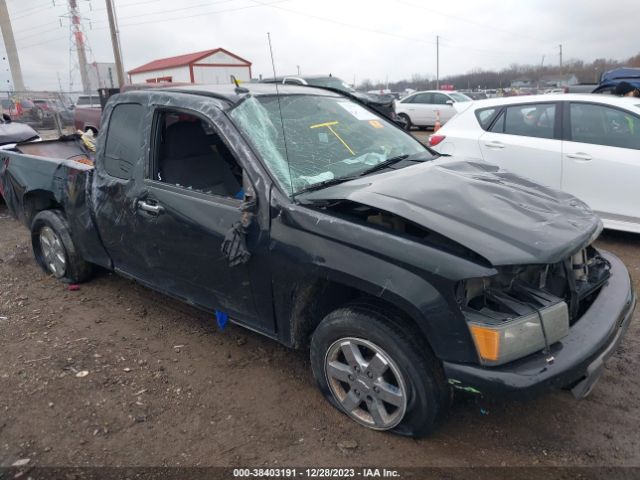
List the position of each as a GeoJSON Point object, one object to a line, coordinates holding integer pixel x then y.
{"type": "Point", "coordinates": [374, 367]}
{"type": "Point", "coordinates": [55, 250]}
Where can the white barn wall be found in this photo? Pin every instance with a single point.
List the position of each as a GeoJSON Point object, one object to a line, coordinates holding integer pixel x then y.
{"type": "Point", "coordinates": [220, 75]}
{"type": "Point", "coordinates": [221, 57]}
{"type": "Point", "coordinates": [178, 74]}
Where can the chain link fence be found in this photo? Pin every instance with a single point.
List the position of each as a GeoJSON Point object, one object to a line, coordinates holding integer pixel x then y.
{"type": "Point", "coordinates": [50, 113]}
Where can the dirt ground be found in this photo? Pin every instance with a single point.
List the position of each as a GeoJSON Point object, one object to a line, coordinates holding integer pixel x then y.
{"type": "Point", "coordinates": [165, 387]}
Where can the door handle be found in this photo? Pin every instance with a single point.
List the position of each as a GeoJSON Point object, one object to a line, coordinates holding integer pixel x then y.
{"type": "Point", "coordinates": [585, 157]}
{"type": "Point", "coordinates": [150, 207]}
{"type": "Point", "coordinates": [494, 145]}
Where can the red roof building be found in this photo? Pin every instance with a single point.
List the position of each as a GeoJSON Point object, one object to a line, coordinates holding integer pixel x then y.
{"type": "Point", "coordinates": [215, 66]}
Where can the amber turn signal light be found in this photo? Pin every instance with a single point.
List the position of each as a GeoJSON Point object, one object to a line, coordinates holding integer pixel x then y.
{"type": "Point", "coordinates": [487, 342]}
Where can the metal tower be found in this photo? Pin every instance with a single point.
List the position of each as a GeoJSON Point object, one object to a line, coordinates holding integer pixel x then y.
{"type": "Point", "coordinates": [10, 45]}
{"type": "Point", "coordinates": [78, 43]}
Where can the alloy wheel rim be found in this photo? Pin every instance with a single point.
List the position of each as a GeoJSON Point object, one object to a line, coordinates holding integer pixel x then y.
{"type": "Point", "coordinates": [366, 382]}
{"type": "Point", "coordinates": [53, 252]}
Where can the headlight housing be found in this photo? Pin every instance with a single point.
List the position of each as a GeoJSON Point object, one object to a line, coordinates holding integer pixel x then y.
{"type": "Point", "coordinates": [511, 315]}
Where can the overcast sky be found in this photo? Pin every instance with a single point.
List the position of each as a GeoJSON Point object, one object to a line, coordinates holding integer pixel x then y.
{"type": "Point", "coordinates": [361, 39]}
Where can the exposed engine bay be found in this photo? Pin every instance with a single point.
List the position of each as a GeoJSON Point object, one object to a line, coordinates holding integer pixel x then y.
{"type": "Point", "coordinates": [530, 307]}
{"type": "Point", "coordinates": [524, 308]}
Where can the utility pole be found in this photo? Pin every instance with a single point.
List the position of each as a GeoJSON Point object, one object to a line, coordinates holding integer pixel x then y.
{"type": "Point", "coordinates": [437, 62]}
{"type": "Point", "coordinates": [298, 67]}
{"type": "Point", "coordinates": [115, 42]}
{"type": "Point", "coordinates": [10, 45]}
{"type": "Point", "coordinates": [560, 47]}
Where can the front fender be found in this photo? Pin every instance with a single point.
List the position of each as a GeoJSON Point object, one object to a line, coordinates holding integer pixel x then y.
{"type": "Point", "coordinates": [309, 246]}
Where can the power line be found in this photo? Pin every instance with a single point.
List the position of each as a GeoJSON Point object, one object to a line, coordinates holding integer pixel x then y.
{"type": "Point", "coordinates": [24, 47]}
{"type": "Point", "coordinates": [472, 22]}
{"type": "Point", "coordinates": [38, 33]}
{"type": "Point", "coordinates": [171, 10]}
{"type": "Point", "coordinates": [41, 32]}
{"type": "Point", "coordinates": [371, 30]}
{"type": "Point", "coordinates": [156, 21]}
{"type": "Point", "coordinates": [200, 14]}
{"type": "Point", "coordinates": [22, 30]}
{"type": "Point", "coordinates": [489, 53]}
{"type": "Point", "coordinates": [31, 11]}
{"type": "Point", "coordinates": [146, 14]}
{"type": "Point", "coordinates": [35, 7]}
{"type": "Point", "coordinates": [344, 24]}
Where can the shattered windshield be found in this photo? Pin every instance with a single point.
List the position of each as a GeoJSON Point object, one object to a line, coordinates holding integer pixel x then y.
{"type": "Point", "coordinates": [327, 138]}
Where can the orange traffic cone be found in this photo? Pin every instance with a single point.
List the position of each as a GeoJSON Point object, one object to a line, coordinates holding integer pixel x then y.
{"type": "Point", "coordinates": [437, 126]}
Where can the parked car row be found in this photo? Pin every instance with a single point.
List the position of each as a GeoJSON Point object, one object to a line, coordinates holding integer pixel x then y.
{"type": "Point", "coordinates": [39, 112]}
{"type": "Point", "coordinates": [422, 109]}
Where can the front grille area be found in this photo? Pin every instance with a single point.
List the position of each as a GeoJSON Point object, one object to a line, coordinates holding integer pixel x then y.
{"type": "Point", "coordinates": [575, 280]}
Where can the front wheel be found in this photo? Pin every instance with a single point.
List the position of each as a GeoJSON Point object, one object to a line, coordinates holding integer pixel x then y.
{"type": "Point", "coordinates": [374, 367]}
{"type": "Point", "coordinates": [54, 249]}
{"type": "Point", "coordinates": [406, 120]}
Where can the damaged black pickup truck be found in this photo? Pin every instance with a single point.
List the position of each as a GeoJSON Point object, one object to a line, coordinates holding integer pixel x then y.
{"type": "Point", "coordinates": [309, 218]}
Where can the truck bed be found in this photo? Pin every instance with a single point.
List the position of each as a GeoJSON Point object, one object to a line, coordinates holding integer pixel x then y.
{"type": "Point", "coordinates": [57, 149]}
{"type": "Point", "coordinates": [53, 174]}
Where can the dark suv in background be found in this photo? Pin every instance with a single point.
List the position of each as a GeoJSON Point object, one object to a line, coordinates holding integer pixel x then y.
{"type": "Point", "coordinates": [380, 103]}
{"type": "Point", "coordinates": [610, 80]}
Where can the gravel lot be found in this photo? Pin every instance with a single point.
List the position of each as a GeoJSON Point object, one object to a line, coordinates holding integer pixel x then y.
{"type": "Point", "coordinates": [164, 387]}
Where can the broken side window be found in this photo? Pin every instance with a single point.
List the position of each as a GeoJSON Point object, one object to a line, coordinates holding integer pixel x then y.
{"type": "Point", "coordinates": [189, 153]}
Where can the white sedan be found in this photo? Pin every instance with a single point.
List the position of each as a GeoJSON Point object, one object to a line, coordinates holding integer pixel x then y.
{"type": "Point", "coordinates": [421, 109]}
{"type": "Point", "coordinates": [586, 145]}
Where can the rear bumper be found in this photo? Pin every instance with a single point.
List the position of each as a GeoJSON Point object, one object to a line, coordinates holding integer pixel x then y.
{"type": "Point", "coordinates": [579, 357]}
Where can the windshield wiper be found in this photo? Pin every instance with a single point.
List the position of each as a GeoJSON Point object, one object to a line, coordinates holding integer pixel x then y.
{"type": "Point", "coordinates": [324, 184]}
{"type": "Point", "coordinates": [390, 161]}
{"type": "Point", "coordinates": [380, 166]}
{"type": "Point", "coordinates": [384, 164]}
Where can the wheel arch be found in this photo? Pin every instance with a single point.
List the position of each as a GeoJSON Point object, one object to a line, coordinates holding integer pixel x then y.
{"type": "Point", "coordinates": [313, 301]}
{"type": "Point", "coordinates": [35, 201]}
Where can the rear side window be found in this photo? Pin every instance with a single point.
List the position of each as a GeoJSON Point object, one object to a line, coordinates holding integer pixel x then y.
{"type": "Point", "coordinates": [498, 125]}
{"type": "Point", "coordinates": [424, 98]}
{"type": "Point", "coordinates": [87, 100]}
{"type": "Point", "coordinates": [485, 116]}
{"type": "Point", "coordinates": [458, 97]}
{"type": "Point", "coordinates": [532, 120]}
{"type": "Point", "coordinates": [124, 140]}
{"type": "Point", "coordinates": [440, 99]}
{"type": "Point", "coordinates": [602, 125]}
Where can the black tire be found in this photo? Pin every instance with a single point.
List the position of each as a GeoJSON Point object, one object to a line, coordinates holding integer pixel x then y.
{"type": "Point", "coordinates": [407, 121]}
{"type": "Point", "coordinates": [427, 393]}
{"type": "Point", "coordinates": [76, 270]}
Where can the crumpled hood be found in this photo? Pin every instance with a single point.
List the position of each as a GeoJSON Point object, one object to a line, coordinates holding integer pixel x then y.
{"type": "Point", "coordinates": [16, 132]}
{"type": "Point", "coordinates": [503, 217]}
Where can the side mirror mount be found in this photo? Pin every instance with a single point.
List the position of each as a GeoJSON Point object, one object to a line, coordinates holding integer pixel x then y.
{"type": "Point", "coordinates": [6, 118]}
{"type": "Point", "coordinates": [449, 102]}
